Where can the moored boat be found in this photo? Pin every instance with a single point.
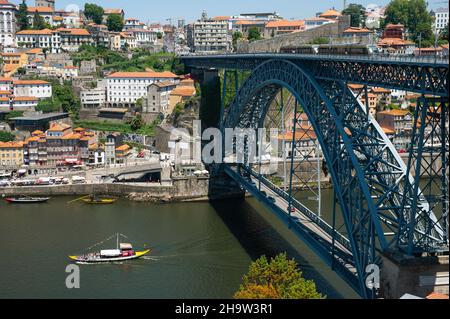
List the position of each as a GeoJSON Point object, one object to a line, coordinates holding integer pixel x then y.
{"type": "Point", "coordinates": [27, 200]}
{"type": "Point", "coordinates": [123, 252]}
{"type": "Point", "coordinates": [98, 201]}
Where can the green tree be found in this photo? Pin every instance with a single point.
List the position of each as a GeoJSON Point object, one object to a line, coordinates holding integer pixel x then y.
{"type": "Point", "coordinates": [320, 40]}
{"type": "Point", "coordinates": [278, 278]}
{"type": "Point", "coordinates": [413, 14]}
{"type": "Point", "coordinates": [39, 22]}
{"type": "Point", "coordinates": [444, 34]}
{"type": "Point", "coordinates": [94, 12]}
{"type": "Point", "coordinates": [13, 114]}
{"type": "Point", "coordinates": [236, 36]}
{"type": "Point", "coordinates": [115, 22]}
{"type": "Point", "coordinates": [49, 105]}
{"type": "Point", "coordinates": [357, 14]}
{"type": "Point", "coordinates": [22, 16]}
{"type": "Point", "coordinates": [137, 122]}
{"type": "Point", "coordinates": [159, 35]}
{"type": "Point", "coordinates": [6, 136]}
{"type": "Point", "coordinates": [254, 34]}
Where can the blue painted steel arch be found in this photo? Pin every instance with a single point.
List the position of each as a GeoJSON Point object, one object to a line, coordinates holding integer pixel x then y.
{"type": "Point", "coordinates": [367, 172]}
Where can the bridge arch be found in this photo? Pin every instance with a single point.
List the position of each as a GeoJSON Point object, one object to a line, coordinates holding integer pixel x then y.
{"type": "Point", "coordinates": [366, 170]}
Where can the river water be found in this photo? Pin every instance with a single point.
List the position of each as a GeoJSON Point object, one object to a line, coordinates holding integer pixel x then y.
{"type": "Point", "coordinates": [199, 250]}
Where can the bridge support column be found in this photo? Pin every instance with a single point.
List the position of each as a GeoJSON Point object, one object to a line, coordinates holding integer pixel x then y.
{"type": "Point", "coordinates": [419, 276]}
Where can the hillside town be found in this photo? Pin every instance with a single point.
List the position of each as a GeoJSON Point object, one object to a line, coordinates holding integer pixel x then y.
{"type": "Point", "coordinates": [95, 87]}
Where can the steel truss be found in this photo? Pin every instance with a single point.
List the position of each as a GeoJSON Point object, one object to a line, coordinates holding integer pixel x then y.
{"type": "Point", "coordinates": [368, 174]}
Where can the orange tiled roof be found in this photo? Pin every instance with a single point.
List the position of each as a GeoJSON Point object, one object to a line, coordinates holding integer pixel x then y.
{"type": "Point", "coordinates": [285, 23]}
{"type": "Point", "coordinates": [355, 86]}
{"type": "Point", "coordinates": [35, 51]}
{"type": "Point", "coordinates": [11, 144]}
{"type": "Point", "coordinates": [184, 91]}
{"type": "Point", "coordinates": [330, 13]}
{"type": "Point", "coordinates": [357, 30]}
{"type": "Point", "coordinates": [248, 22]}
{"type": "Point", "coordinates": [395, 112]}
{"type": "Point", "coordinates": [37, 132]}
{"type": "Point", "coordinates": [124, 147]}
{"type": "Point", "coordinates": [11, 54]}
{"type": "Point", "coordinates": [30, 82]}
{"type": "Point", "coordinates": [436, 295]}
{"type": "Point", "coordinates": [25, 98]}
{"type": "Point", "coordinates": [221, 18]}
{"type": "Point", "coordinates": [378, 90]}
{"type": "Point", "coordinates": [74, 31]}
{"type": "Point", "coordinates": [35, 32]}
{"type": "Point", "coordinates": [304, 133]}
{"type": "Point", "coordinates": [387, 131]}
{"type": "Point", "coordinates": [394, 41]}
{"type": "Point", "coordinates": [113, 11]}
{"type": "Point", "coordinates": [41, 9]}
{"type": "Point", "coordinates": [165, 74]}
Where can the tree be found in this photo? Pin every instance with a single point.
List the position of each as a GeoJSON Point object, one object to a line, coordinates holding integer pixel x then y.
{"type": "Point", "coordinates": [115, 22]}
{"type": "Point", "coordinates": [49, 105]}
{"type": "Point", "coordinates": [413, 14]}
{"type": "Point", "coordinates": [444, 34]}
{"type": "Point", "coordinates": [357, 14]}
{"type": "Point", "coordinates": [137, 122]}
{"type": "Point", "coordinates": [159, 35]}
{"type": "Point", "coordinates": [22, 16]}
{"type": "Point", "coordinates": [320, 40]}
{"type": "Point", "coordinates": [278, 278]}
{"type": "Point", "coordinates": [6, 136]}
{"type": "Point", "coordinates": [254, 34]}
{"type": "Point", "coordinates": [94, 12]}
{"type": "Point", "coordinates": [236, 36]}
{"type": "Point", "coordinates": [39, 22]}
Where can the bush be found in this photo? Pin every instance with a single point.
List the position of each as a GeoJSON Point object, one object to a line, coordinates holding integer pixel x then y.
{"type": "Point", "coordinates": [6, 136]}
{"type": "Point", "coordinates": [278, 278]}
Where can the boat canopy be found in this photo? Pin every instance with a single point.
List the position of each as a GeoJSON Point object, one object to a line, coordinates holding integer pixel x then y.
{"type": "Point", "coordinates": [124, 246]}
{"type": "Point", "coordinates": [110, 253]}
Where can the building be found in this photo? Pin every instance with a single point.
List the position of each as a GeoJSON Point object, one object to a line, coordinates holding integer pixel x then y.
{"type": "Point", "coordinates": [132, 23]}
{"type": "Point", "coordinates": [113, 141]}
{"type": "Point", "coordinates": [11, 154]}
{"type": "Point", "coordinates": [315, 22]}
{"type": "Point", "coordinates": [158, 97]}
{"type": "Point", "coordinates": [394, 41]}
{"type": "Point", "coordinates": [280, 27]}
{"type": "Point", "coordinates": [210, 36]}
{"type": "Point", "coordinates": [354, 32]}
{"type": "Point", "coordinates": [306, 143]}
{"type": "Point", "coordinates": [243, 26]}
{"type": "Point", "coordinates": [7, 23]}
{"type": "Point", "coordinates": [61, 39]}
{"type": "Point", "coordinates": [400, 122]}
{"type": "Point", "coordinates": [108, 12]}
{"type": "Point", "coordinates": [39, 121]}
{"type": "Point", "coordinates": [16, 103]}
{"type": "Point", "coordinates": [125, 88]}
{"type": "Point", "coordinates": [93, 98]}
{"type": "Point", "coordinates": [97, 154]}
{"type": "Point", "coordinates": [330, 14]}
{"type": "Point", "coordinates": [181, 94]}
{"type": "Point", "coordinates": [441, 19]}
{"type": "Point", "coordinates": [45, 3]}
{"type": "Point", "coordinates": [122, 153]}
{"type": "Point", "coordinates": [12, 62]}
{"type": "Point", "coordinates": [143, 38]}
{"type": "Point", "coordinates": [372, 98]}
{"type": "Point", "coordinates": [47, 13]}
{"type": "Point", "coordinates": [384, 97]}
{"type": "Point", "coordinates": [38, 88]}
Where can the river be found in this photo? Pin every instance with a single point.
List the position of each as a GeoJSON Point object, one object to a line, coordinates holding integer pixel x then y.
{"type": "Point", "coordinates": [199, 250]}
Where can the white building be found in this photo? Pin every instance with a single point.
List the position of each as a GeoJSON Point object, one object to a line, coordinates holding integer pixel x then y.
{"type": "Point", "coordinates": [143, 37]}
{"type": "Point", "coordinates": [18, 103]}
{"type": "Point", "coordinates": [93, 98]}
{"type": "Point", "coordinates": [441, 16]}
{"type": "Point", "coordinates": [7, 23]}
{"type": "Point", "coordinates": [125, 88]}
{"type": "Point", "coordinates": [210, 36]}
{"type": "Point", "coordinates": [58, 40]}
{"type": "Point", "coordinates": [47, 13]}
{"type": "Point", "coordinates": [38, 88]}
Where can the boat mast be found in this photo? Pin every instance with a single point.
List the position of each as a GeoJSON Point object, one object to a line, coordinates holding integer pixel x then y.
{"type": "Point", "coordinates": [117, 241]}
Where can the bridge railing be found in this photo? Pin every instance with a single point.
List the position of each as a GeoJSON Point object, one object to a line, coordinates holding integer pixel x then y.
{"type": "Point", "coordinates": [424, 59]}
{"type": "Point", "coordinates": [302, 208]}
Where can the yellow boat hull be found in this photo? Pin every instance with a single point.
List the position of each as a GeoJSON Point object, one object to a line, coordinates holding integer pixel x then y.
{"type": "Point", "coordinates": [99, 202]}
{"type": "Point", "coordinates": [137, 254]}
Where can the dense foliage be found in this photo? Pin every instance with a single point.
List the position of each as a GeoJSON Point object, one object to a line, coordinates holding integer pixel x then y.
{"type": "Point", "coordinates": [278, 278]}
{"type": "Point", "coordinates": [6, 136]}
{"type": "Point", "coordinates": [39, 22]}
{"type": "Point", "coordinates": [94, 12]}
{"type": "Point", "coordinates": [115, 22]}
{"type": "Point", "coordinates": [22, 17]}
{"type": "Point", "coordinates": [413, 14]}
{"type": "Point", "coordinates": [254, 34]}
{"type": "Point", "coordinates": [107, 126]}
{"type": "Point", "coordinates": [357, 14]}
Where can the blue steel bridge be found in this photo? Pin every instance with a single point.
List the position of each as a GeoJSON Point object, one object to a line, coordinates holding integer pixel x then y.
{"type": "Point", "coordinates": [377, 195]}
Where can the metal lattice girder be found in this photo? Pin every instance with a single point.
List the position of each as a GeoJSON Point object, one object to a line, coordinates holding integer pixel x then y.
{"type": "Point", "coordinates": [428, 160]}
{"type": "Point", "coordinates": [367, 172]}
{"type": "Point", "coordinates": [400, 73]}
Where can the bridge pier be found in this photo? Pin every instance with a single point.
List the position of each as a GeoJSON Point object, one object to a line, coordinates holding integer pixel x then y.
{"type": "Point", "coordinates": [420, 276]}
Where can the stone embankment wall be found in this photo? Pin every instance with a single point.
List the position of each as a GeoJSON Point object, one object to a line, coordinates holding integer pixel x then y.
{"type": "Point", "coordinates": [182, 189]}
{"type": "Point", "coordinates": [331, 30]}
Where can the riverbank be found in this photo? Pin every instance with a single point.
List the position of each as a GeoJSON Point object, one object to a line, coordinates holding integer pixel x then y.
{"type": "Point", "coordinates": [182, 189]}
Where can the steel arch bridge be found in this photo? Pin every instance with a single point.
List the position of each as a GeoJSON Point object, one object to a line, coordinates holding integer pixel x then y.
{"type": "Point", "coordinates": [382, 205]}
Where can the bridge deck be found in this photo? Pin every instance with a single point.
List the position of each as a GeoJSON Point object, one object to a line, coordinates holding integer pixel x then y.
{"type": "Point", "coordinates": [320, 238]}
